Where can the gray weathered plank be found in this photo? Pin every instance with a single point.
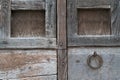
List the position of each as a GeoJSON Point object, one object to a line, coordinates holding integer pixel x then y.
{"type": "Point", "coordinates": [93, 3]}
{"type": "Point", "coordinates": [4, 18]}
{"type": "Point", "coordinates": [50, 18]}
{"type": "Point", "coordinates": [95, 7]}
{"type": "Point", "coordinates": [72, 17]}
{"type": "Point", "coordinates": [28, 43]}
{"type": "Point", "coordinates": [116, 17]}
{"type": "Point", "coordinates": [79, 70]}
{"type": "Point", "coordinates": [27, 63]}
{"type": "Point", "coordinates": [94, 41]}
{"type": "Point", "coordinates": [51, 77]}
{"type": "Point", "coordinates": [27, 4]}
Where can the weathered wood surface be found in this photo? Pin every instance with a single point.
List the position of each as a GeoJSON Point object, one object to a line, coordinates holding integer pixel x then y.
{"type": "Point", "coordinates": [74, 39]}
{"type": "Point", "coordinates": [52, 77]}
{"type": "Point", "coordinates": [94, 41]}
{"type": "Point", "coordinates": [62, 64]}
{"type": "Point", "coordinates": [15, 64]}
{"type": "Point", "coordinates": [0, 13]}
{"type": "Point", "coordinates": [31, 63]}
{"type": "Point", "coordinates": [27, 4]}
{"type": "Point", "coordinates": [61, 24]}
{"type": "Point", "coordinates": [116, 17]}
{"type": "Point", "coordinates": [62, 39]}
{"type": "Point", "coordinates": [28, 23]}
{"type": "Point", "coordinates": [79, 70]}
{"type": "Point", "coordinates": [50, 18]}
{"type": "Point", "coordinates": [72, 23]}
{"type": "Point", "coordinates": [4, 18]}
{"type": "Point", "coordinates": [94, 22]}
{"type": "Point", "coordinates": [93, 3]}
{"type": "Point", "coordinates": [50, 12]}
{"type": "Point", "coordinates": [72, 9]}
{"type": "Point", "coordinates": [49, 43]}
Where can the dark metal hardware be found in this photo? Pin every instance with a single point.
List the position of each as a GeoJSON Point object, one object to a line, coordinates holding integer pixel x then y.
{"type": "Point", "coordinates": [95, 61]}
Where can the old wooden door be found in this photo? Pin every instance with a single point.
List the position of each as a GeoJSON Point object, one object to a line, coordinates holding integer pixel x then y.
{"type": "Point", "coordinates": [28, 40]}
{"type": "Point", "coordinates": [93, 39]}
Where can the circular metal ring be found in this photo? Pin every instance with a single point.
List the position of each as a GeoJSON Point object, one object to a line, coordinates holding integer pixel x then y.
{"type": "Point", "coordinates": [97, 59]}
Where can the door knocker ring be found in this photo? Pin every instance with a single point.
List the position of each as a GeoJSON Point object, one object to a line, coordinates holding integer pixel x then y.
{"type": "Point", "coordinates": [97, 60]}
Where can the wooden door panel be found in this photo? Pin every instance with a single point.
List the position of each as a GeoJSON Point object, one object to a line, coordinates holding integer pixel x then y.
{"type": "Point", "coordinates": [28, 40]}
{"type": "Point", "coordinates": [93, 26]}
{"type": "Point", "coordinates": [78, 68]}
{"type": "Point", "coordinates": [93, 33]}
{"type": "Point", "coordinates": [15, 64]}
{"type": "Point", "coordinates": [11, 16]}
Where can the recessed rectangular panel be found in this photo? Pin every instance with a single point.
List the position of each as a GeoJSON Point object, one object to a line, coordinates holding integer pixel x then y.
{"type": "Point", "coordinates": [94, 22]}
{"type": "Point", "coordinates": [28, 23]}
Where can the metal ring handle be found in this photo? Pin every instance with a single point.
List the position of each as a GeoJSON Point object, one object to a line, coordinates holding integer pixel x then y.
{"type": "Point", "coordinates": [97, 59]}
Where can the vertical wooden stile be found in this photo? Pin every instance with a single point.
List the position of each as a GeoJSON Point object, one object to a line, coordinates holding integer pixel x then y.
{"type": "Point", "coordinates": [4, 18]}
{"type": "Point", "coordinates": [62, 44]}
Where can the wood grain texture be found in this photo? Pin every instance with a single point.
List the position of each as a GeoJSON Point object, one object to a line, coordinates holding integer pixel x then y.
{"type": "Point", "coordinates": [50, 24]}
{"type": "Point", "coordinates": [62, 39]}
{"type": "Point", "coordinates": [72, 24]}
{"type": "Point", "coordinates": [52, 77]}
{"type": "Point", "coordinates": [28, 43]}
{"type": "Point", "coordinates": [61, 23]}
{"type": "Point", "coordinates": [0, 13]}
{"type": "Point", "coordinates": [28, 4]}
{"type": "Point", "coordinates": [4, 18]}
{"type": "Point", "coordinates": [39, 42]}
{"type": "Point", "coordinates": [93, 3]}
{"type": "Point", "coordinates": [28, 23]}
{"type": "Point", "coordinates": [27, 63]}
{"type": "Point", "coordinates": [50, 12]}
{"type": "Point", "coordinates": [62, 64]}
{"type": "Point", "coordinates": [116, 17]}
{"type": "Point", "coordinates": [31, 63]}
{"type": "Point", "coordinates": [94, 41]}
{"type": "Point", "coordinates": [79, 70]}
{"type": "Point", "coordinates": [72, 10]}
{"type": "Point", "coordinates": [94, 22]}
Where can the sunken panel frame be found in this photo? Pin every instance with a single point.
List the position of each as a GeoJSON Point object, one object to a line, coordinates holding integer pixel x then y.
{"type": "Point", "coordinates": [94, 40]}
{"type": "Point", "coordinates": [49, 41]}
